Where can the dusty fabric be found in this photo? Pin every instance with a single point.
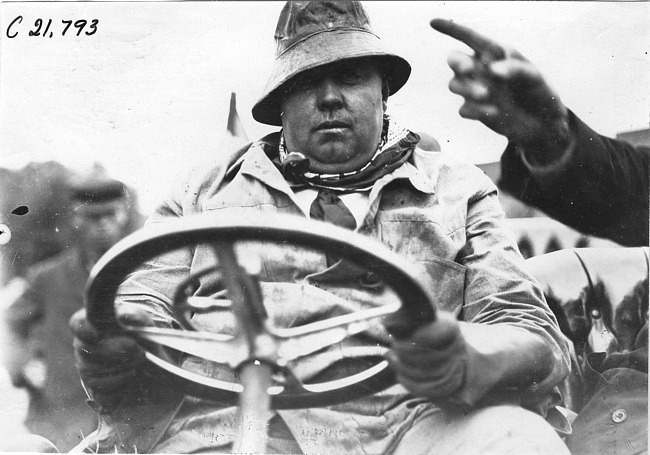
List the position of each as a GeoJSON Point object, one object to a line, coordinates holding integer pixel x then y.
{"type": "Point", "coordinates": [615, 420]}
{"type": "Point", "coordinates": [441, 215]}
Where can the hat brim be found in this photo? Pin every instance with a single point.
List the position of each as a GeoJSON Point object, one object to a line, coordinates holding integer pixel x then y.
{"type": "Point", "coordinates": [321, 49]}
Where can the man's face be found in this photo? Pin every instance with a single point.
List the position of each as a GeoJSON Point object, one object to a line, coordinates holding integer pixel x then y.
{"type": "Point", "coordinates": [99, 225]}
{"type": "Point", "coordinates": [334, 115]}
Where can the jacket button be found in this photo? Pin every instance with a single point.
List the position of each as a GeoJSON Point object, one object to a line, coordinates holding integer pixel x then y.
{"type": "Point", "coordinates": [619, 416]}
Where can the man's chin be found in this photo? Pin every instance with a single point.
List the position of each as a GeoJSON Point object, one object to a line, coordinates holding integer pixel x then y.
{"type": "Point", "coordinates": [101, 247]}
{"type": "Point", "coordinates": [335, 159]}
{"type": "Point", "coordinates": [330, 168]}
{"type": "Point", "coordinates": [339, 167]}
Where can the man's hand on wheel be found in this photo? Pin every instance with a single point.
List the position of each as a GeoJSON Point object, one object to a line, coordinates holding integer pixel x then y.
{"type": "Point", "coordinates": [107, 363]}
{"type": "Point", "coordinates": [432, 362]}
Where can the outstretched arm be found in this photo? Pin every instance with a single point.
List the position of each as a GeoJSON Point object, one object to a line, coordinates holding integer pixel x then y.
{"type": "Point", "coordinates": [508, 94]}
{"type": "Point", "coordinates": [553, 161]}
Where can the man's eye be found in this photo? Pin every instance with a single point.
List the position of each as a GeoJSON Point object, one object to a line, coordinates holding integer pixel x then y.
{"type": "Point", "coordinates": [302, 83]}
{"type": "Point", "coordinates": [350, 75]}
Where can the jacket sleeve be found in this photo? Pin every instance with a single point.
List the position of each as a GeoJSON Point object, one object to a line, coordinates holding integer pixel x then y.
{"type": "Point", "coordinates": [500, 292]}
{"type": "Point", "coordinates": [153, 285]}
{"type": "Point", "coordinates": [601, 189]}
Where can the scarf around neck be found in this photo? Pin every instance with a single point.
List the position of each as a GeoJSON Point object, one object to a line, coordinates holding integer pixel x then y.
{"type": "Point", "coordinates": [394, 149]}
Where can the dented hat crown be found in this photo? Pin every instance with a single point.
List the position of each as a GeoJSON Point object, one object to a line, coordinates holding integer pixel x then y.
{"type": "Point", "coordinates": [311, 34]}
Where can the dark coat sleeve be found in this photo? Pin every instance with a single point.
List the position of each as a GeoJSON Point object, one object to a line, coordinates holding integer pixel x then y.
{"type": "Point", "coordinates": [602, 190]}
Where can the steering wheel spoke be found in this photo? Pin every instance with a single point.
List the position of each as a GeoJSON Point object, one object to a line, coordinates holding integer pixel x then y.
{"type": "Point", "coordinates": [215, 347]}
{"type": "Point", "coordinates": [255, 339]}
{"type": "Point", "coordinates": [300, 341]}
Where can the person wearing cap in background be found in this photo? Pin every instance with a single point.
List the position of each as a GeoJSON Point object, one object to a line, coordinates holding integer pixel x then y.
{"type": "Point", "coordinates": [38, 318]}
{"type": "Point", "coordinates": [465, 380]}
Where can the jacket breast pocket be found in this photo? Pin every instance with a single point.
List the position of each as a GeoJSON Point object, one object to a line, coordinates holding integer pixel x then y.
{"type": "Point", "coordinates": [432, 248]}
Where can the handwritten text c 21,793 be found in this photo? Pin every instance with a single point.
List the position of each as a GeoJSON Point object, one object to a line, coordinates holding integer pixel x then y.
{"type": "Point", "coordinates": [49, 28]}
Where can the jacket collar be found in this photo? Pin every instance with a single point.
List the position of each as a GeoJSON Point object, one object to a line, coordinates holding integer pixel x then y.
{"type": "Point", "coordinates": [256, 162]}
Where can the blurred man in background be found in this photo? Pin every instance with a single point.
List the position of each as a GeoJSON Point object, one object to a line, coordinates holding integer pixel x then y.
{"type": "Point", "coordinates": [42, 358]}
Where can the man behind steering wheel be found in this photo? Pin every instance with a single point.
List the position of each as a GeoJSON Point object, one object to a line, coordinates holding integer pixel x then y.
{"type": "Point", "coordinates": [468, 382]}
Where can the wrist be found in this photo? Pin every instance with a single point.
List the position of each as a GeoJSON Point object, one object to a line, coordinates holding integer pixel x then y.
{"type": "Point", "coordinates": [501, 358]}
{"type": "Point", "coordinates": [550, 145]}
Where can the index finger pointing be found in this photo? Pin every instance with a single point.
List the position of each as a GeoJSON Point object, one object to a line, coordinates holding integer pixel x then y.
{"type": "Point", "coordinates": [483, 46]}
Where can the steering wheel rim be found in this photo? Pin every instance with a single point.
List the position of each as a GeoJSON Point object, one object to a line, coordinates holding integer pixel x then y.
{"type": "Point", "coordinates": [111, 270]}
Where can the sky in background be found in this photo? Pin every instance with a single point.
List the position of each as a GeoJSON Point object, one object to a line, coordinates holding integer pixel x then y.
{"type": "Point", "coordinates": [147, 95]}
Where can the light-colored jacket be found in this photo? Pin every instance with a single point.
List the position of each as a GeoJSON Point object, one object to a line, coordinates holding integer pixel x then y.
{"type": "Point", "coordinates": [439, 213]}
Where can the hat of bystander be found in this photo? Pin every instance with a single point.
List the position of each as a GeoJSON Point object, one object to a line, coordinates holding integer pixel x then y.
{"type": "Point", "coordinates": [95, 188]}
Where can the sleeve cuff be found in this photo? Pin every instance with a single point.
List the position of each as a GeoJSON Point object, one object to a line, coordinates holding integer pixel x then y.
{"type": "Point", "coordinates": [556, 168]}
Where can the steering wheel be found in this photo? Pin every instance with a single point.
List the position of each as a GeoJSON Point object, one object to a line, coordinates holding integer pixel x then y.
{"type": "Point", "coordinates": [255, 339]}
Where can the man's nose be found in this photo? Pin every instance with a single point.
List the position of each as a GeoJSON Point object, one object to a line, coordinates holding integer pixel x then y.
{"type": "Point", "coordinates": [329, 94]}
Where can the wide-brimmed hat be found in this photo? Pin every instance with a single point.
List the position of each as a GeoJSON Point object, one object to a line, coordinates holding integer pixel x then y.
{"type": "Point", "coordinates": [312, 34]}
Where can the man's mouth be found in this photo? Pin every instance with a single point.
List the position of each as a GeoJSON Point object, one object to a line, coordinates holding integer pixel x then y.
{"type": "Point", "coordinates": [332, 125]}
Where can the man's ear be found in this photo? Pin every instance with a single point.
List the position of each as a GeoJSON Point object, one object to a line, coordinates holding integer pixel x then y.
{"type": "Point", "coordinates": [385, 89]}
